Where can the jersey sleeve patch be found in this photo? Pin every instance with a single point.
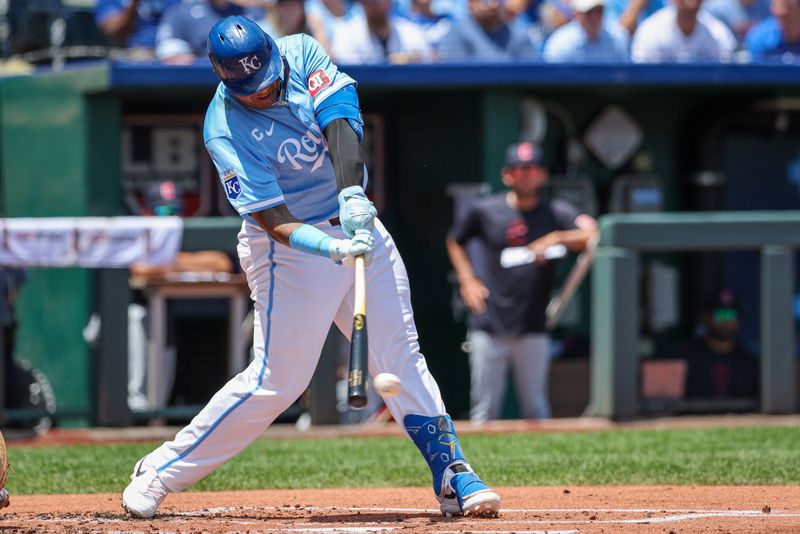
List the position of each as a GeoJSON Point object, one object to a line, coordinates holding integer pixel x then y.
{"type": "Point", "coordinates": [230, 181]}
{"type": "Point", "coordinates": [317, 81]}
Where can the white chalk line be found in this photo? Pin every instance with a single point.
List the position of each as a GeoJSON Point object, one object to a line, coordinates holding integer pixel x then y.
{"type": "Point", "coordinates": [674, 516]}
{"type": "Point", "coordinates": [209, 511]}
{"type": "Point", "coordinates": [388, 529]}
{"type": "Point", "coordinates": [509, 532]}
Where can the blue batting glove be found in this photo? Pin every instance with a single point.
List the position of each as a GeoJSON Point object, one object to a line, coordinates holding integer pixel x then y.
{"type": "Point", "coordinates": [356, 211]}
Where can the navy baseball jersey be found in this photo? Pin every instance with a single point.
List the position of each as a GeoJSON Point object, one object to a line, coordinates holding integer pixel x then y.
{"type": "Point", "coordinates": [517, 296]}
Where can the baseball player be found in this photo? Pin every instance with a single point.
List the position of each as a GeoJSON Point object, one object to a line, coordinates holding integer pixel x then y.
{"type": "Point", "coordinates": [284, 131]}
{"type": "Point", "coordinates": [507, 325]}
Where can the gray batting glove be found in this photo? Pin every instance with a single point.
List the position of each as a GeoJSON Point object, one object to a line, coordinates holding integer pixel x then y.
{"type": "Point", "coordinates": [356, 211]}
{"type": "Point", "coordinates": [344, 250]}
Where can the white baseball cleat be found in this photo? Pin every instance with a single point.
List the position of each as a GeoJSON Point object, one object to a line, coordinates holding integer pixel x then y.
{"type": "Point", "coordinates": [145, 492]}
{"type": "Point", "coordinates": [466, 494]}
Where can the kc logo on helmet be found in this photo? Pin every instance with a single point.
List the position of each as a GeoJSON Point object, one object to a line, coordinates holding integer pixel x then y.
{"type": "Point", "coordinates": [317, 81]}
{"type": "Point", "coordinates": [250, 63]}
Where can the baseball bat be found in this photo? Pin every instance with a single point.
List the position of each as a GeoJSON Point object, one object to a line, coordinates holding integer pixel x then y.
{"type": "Point", "coordinates": [557, 305]}
{"type": "Point", "coordinates": [356, 378]}
{"type": "Point", "coordinates": [4, 498]}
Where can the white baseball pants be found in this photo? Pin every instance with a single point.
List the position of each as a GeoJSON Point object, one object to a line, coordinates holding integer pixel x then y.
{"type": "Point", "coordinates": [297, 296]}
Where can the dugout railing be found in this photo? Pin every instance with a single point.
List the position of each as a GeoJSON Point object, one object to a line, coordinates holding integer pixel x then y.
{"type": "Point", "coordinates": [616, 295]}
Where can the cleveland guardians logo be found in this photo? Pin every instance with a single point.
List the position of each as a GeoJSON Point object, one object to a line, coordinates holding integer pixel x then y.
{"type": "Point", "coordinates": [230, 181]}
{"type": "Point", "coordinates": [517, 233]}
{"type": "Point", "coordinates": [317, 81]}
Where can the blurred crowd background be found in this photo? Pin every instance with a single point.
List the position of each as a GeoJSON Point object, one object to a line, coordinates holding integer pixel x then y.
{"type": "Point", "coordinates": [414, 31]}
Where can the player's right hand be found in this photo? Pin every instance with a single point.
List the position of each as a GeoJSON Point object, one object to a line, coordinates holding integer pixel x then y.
{"type": "Point", "coordinates": [356, 211]}
{"type": "Point", "coordinates": [345, 250]}
{"type": "Point", "coordinates": [474, 295]}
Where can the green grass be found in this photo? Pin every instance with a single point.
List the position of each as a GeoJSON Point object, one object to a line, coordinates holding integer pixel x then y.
{"type": "Point", "coordinates": [763, 455]}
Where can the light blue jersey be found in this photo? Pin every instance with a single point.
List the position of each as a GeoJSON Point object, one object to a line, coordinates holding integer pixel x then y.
{"type": "Point", "coordinates": [265, 158]}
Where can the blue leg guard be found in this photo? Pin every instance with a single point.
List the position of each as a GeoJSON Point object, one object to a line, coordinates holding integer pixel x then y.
{"type": "Point", "coordinates": [457, 487]}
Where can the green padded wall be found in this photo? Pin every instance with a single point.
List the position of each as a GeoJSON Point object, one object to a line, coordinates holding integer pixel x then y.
{"type": "Point", "coordinates": [58, 144]}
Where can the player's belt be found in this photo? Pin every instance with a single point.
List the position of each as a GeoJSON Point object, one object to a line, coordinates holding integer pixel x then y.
{"type": "Point", "coordinates": [334, 221]}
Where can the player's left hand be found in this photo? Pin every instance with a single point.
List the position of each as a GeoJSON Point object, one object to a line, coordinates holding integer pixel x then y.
{"type": "Point", "coordinates": [539, 246]}
{"type": "Point", "coordinates": [344, 251]}
{"type": "Point", "coordinates": [356, 211]}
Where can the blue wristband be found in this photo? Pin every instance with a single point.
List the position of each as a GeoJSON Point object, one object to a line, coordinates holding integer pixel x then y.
{"type": "Point", "coordinates": [312, 240]}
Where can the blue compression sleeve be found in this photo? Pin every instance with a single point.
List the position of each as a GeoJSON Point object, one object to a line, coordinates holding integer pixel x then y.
{"type": "Point", "coordinates": [312, 240]}
{"type": "Point", "coordinates": [343, 104]}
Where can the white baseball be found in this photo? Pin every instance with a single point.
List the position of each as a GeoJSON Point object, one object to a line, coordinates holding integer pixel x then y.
{"type": "Point", "coordinates": [387, 384]}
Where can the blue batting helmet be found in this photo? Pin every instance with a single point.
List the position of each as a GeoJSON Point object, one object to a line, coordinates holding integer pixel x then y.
{"type": "Point", "coordinates": [244, 57]}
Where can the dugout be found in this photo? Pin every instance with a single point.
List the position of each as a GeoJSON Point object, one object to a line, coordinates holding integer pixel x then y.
{"type": "Point", "coordinates": [62, 139]}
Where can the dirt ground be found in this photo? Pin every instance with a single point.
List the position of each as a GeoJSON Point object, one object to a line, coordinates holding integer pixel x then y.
{"type": "Point", "coordinates": [562, 510]}
{"type": "Point", "coordinates": [640, 509]}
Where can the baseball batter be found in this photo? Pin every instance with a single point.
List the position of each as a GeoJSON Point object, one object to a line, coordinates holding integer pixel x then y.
{"type": "Point", "coordinates": [284, 131]}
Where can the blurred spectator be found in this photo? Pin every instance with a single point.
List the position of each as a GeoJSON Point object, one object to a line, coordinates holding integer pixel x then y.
{"type": "Point", "coordinates": [486, 36]}
{"type": "Point", "coordinates": [739, 15]}
{"type": "Point", "coordinates": [434, 25]}
{"type": "Point", "coordinates": [132, 23]}
{"type": "Point", "coordinates": [543, 16]}
{"type": "Point", "coordinates": [183, 32]}
{"type": "Point", "coordinates": [719, 366]}
{"type": "Point", "coordinates": [587, 39]}
{"type": "Point", "coordinates": [550, 16]}
{"type": "Point", "coordinates": [289, 17]}
{"type": "Point", "coordinates": [539, 17]}
{"type": "Point", "coordinates": [630, 13]}
{"type": "Point", "coordinates": [778, 37]}
{"type": "Point", "coordinates": [326, 16]}
{"type": "Point", "coordinates": [380, 38]}
{"type": "Point", "coordinates": [682, 33]}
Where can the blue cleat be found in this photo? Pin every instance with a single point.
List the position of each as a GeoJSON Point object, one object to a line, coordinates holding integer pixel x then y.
{"type": "Point", "coordinates": [463, 493]}
{"type": "Point", "coordinates": [456, 486]}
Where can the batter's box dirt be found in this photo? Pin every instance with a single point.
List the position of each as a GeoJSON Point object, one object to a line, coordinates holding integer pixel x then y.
{"type": "Point", "coordinates": [628, 509]}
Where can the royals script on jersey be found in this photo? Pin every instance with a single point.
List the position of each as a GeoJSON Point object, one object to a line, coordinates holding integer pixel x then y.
{"type": "Point", "coordinates": [267, 157]}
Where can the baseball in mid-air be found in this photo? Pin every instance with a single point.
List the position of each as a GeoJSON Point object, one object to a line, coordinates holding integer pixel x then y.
{"type": "Point", "coordinates": [387, 384]}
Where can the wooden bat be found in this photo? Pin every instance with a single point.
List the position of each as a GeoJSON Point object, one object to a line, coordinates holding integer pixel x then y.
{"type": "Point", "coordinates": [356, 378]}
{"type": "Point", "coordinates": [559, 302]}
{"type": "Point", "coordinates": [4, 499]}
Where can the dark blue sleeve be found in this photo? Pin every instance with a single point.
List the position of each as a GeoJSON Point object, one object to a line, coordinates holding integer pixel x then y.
{"type": "Point", "coordinates": [343, 104]}
{"type": "Point", "coordinates": [564, 214]}
{"type": "Point", "coordinates": [466, 226]}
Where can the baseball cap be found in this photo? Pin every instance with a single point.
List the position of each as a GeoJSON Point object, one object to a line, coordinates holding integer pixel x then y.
{"type": "Point", "coordinates": [582, 6]}
{"type": "Point", "coordinates": [164, 198]}
{"type": "Point", "coordinates": [524, 153]}
{"type": "Point", "coordinates": [722, 305]}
